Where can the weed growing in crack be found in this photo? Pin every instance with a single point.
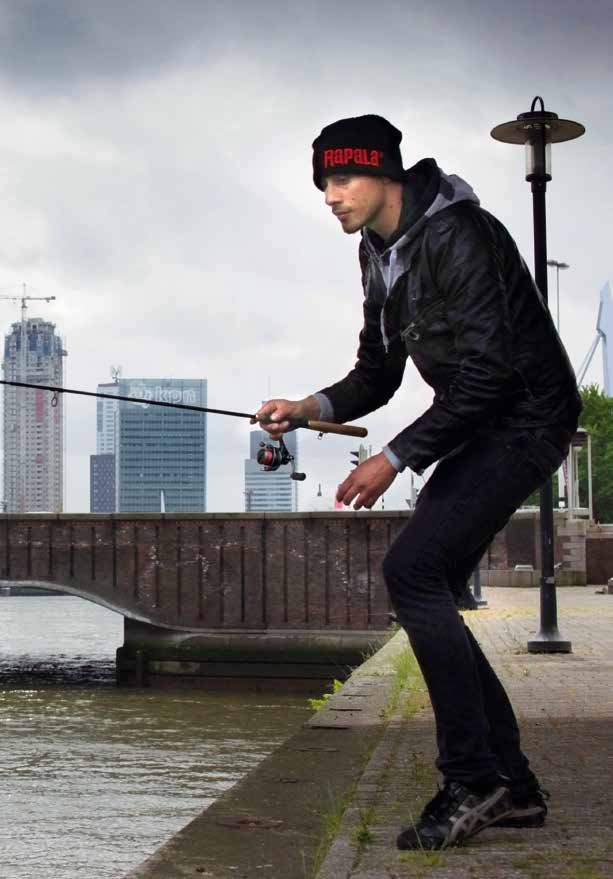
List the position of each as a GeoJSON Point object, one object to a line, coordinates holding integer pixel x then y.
{"type": "Point", "coordinates": [331, 820]}
{"type": "Point", "coordinates": [316, 704]}
{"type": "Point", "coordinates": [363, 835]}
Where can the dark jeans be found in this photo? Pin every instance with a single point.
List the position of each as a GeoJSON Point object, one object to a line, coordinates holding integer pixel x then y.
{"type": "Point", "coordinates": [470, 496]}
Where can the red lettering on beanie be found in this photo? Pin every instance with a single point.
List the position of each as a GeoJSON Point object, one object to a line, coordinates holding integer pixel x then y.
{"type": "Point", "coordinates": [357, 155]}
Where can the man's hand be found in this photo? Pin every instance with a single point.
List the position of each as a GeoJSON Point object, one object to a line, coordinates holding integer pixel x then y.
{"type": "Point", "coordinates": [367, 482]}
{"type": "Point", "coordinates": [275, 416]}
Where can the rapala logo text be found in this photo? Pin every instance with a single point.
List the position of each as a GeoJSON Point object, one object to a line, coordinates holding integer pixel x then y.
{"type": "Point", "coordinates": [358, 156]}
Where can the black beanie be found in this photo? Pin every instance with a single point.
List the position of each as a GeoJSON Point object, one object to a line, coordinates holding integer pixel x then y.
{"type": "Point", "coordinates": [359, 145]}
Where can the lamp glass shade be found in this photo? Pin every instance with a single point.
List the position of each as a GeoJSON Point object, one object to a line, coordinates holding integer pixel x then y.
{"type": "Point", "coordinates": [538, 153]}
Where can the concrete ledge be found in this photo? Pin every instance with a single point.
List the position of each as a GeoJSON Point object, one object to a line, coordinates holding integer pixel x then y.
{"type": "Point", "coordinates": [261, 658]}
{"type": "Point", "coordinates": [531, 579]}
{"type": "Point", "coordinates": [272, 823]}
{"type": "Point", "coordinates": [573, 527]}
{"type": "Point", "coordinates": [570, 577]}
{"type": "Point", "coordinates": [600, 532]}
{"type": "Point", "coordinates": [184, 517]}
{"type": "Point", "coordinates": [509, 577]}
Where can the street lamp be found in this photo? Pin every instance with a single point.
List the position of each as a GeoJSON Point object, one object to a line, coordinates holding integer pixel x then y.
{"type": "Point", "coordinates": [557, 265]}
{"type": "Point", "coordinates": [537, 130]}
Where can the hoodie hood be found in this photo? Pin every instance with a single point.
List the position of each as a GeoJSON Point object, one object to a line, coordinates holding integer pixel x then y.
{"type": "Point", "coordinates": [426, 191]}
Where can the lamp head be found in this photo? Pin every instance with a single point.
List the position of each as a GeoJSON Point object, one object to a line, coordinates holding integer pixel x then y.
{"type": "Point", "coordinates": [537, 130]}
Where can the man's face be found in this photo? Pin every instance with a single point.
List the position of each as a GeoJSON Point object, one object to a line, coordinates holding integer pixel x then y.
{"type": "Point", "coordinates": [357, 200]}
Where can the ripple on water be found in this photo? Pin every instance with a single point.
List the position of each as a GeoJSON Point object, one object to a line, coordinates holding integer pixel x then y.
{"type": "Point", "coordinates": [95, 778]}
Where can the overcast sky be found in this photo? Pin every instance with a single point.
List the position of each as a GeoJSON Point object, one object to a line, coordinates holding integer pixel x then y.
{"type": "Point", "coordinates": [156, 179]}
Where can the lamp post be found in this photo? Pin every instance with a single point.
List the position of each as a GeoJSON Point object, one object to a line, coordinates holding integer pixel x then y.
{"type": "Point", "coordinates": [537, 130]}
{"type": "Point", "coordinates": [557, 265]}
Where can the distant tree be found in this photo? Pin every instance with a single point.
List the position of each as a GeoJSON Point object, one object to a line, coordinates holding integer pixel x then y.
{"type": "Point", "coordinates": [597, 419]}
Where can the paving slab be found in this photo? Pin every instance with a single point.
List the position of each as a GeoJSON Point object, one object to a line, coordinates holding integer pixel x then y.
{"type": "Point", "coordinates": [565, 706]}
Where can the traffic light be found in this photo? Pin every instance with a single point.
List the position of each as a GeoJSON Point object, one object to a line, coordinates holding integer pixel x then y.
{"type": "Point", "coordinates": [360, 456]}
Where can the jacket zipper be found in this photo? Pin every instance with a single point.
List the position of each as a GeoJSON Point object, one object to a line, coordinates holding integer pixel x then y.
{"type": "Point", "coordinates": [411, 331]}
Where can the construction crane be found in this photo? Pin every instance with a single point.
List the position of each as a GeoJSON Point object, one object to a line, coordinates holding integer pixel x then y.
{"type": "Point", "coordinates": [23, 376]}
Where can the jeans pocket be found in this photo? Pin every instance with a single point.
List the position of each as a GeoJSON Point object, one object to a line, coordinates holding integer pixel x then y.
{"type": "Point", "coordinates": [545, 451]}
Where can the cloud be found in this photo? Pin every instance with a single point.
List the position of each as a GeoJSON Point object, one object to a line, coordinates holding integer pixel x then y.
{"type": "Point", "coordinates": [46, 47]}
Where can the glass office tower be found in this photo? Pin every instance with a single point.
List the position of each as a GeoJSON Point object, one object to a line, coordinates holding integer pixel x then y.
{"type": "Point", "coordinates": [161, 452]}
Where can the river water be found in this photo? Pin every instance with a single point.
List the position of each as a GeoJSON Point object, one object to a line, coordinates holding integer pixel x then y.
{"type": "Point", "coordinates": [94, 778]}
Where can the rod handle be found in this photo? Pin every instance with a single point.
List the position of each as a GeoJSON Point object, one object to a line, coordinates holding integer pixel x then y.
{"type": "Point", "coordinates": [331, 427]}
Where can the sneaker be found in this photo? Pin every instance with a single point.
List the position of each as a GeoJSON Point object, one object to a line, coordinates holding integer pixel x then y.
{"type": "Point", "coordinates": [455, 814]}
{"type": "Point", "coordinates": [529, 809]}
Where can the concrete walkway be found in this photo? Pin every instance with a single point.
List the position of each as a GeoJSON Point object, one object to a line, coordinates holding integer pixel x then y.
{"type": "Point", "coordinates": [565, 707]}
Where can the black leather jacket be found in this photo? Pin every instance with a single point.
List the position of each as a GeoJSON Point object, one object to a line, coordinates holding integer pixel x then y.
{"type": "Point", "coordinates": [469, 314]}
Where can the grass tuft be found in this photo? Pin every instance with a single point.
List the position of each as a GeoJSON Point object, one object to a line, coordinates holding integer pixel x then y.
{"type": "Point", "coordinates": [316, 704]}
{"type": "Point", "coordinates": [331, 820]}
{"type": "Point", "coordinates": [363, 835]}
{"type": "Point", "coordinates": [408, 690]}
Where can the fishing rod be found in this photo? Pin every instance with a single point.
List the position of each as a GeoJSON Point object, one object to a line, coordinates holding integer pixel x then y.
{"type": "Point", "coordinates": [269, 456]}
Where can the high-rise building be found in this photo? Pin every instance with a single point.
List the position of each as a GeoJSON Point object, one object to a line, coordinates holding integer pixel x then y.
{"type": "Point", "coordinates": [33, 423]}
{"type": "Point", "coordinates": [102, 494]}
{"type": "Point", "coordinates": [106, 413]}
{"type": "Point", "coordinates": [272, 490]}
{"type": "Point", "coordinates": [102, 483]}
{"type": "Point", "coordinates": [160, 452]}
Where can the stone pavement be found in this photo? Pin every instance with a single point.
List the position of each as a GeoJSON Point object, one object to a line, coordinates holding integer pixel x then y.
{"type": "Point", "coordinates": [565, 707]}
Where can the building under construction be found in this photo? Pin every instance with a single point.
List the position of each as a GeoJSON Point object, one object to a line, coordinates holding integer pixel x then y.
{"type": "Point", "coordinates": [33, 422]}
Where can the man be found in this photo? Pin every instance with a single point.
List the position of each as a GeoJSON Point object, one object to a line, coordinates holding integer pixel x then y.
{"type": "Point", "coordinates": [444, 284]}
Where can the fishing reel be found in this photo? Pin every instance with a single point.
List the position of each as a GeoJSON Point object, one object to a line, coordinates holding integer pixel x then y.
{"type": "Point", "coordinates": [272, 457]}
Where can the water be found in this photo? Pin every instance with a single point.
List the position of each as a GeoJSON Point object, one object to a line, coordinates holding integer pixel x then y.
{"type": "Point", "coordinates": [94, 778]}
